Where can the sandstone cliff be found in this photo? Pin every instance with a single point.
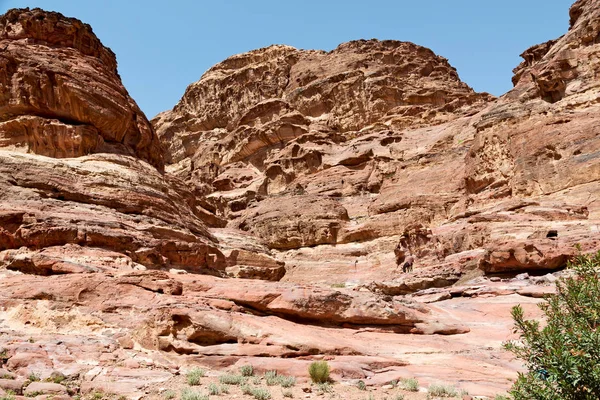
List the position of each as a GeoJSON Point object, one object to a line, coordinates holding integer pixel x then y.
{"type": "Point", "coordinates": [303, 167]}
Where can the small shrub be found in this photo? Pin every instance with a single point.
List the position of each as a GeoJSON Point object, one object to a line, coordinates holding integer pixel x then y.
{"type": "Point", "coordinates": [225, 389]}
{"type": "Point", "coordinates": [410, 385]}
{"type": "Point", "coordinates": [287, 381]}
{"type": "Point", "coordinates": [561, 353]}
{"type": "Point", "coordinates": [394, 383]}
{"type": "Point", "coordinates": [371, 397]}
{"type": "Point", "coordinates": [325, 387]}
{"type": "Point", "coordinates": [501, 397]}
{"type": "Point", "coordinates": [288, 393]}
{"type": "Point", "coordinates": [6, 376]}
{"type": "Point", "coordinates": [9, 395]}
{"type": "Point", "coordinates": [361, 385]}
{"type": "Point", "coordinates": [338, 285]}
{"type": "Point", "coordinates": [56, 377]}
{"type": "Point", "coordinates": [214, 389]}
{"type": "Point", "coordinates": [246, 389]}
{"type": "Point", "coordinates": [271, 378]}
{"type": "Point", "coordinates": [169, 394]}
{"type": "Point", "coordinates": [189, 394]}
{"type": "Point", "coordinates": [256, 380]}
{"type": "Point", "coordinates": [193, 377]}
{"type": "Point", "coordinates": [399, 397]}
{"type": "Point", "coordinates": [442, 390]}
{"type": "Point", "coordinates": [260, 393]}
{"type": "Point", "coordinates": [247, 370]}
{"type": "Point", "coordinates": [97, 396]}
{"type": "Point", "coordinates": [319, 371]}
{"type": "Point", "coordinates": [232, 379]}
{"type": "Point", "coordinates": [33, 377]}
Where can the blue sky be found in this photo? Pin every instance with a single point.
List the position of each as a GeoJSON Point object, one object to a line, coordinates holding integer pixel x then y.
{"type": "Point", "coordinates": [163, 46]}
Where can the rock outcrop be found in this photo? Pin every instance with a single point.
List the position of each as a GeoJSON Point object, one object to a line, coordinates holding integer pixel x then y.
{"type": "Point", "coordinates": [321, 170]}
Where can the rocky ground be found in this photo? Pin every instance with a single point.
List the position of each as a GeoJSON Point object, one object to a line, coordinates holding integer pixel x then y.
{"type": "Point", "coordinates": [255, 223]}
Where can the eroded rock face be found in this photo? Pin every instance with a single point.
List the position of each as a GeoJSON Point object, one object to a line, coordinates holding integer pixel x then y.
{"type": "Point", "coordinates": [388, 133]}
{"type": "Point", "coordinates": [307, 167]}
{"type": "Point", "coordinates": [62, 95]}
{"type": "Point", "coordinates": [80, 165]}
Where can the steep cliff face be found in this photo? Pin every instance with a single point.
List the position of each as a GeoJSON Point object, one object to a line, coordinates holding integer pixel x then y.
{"type": "Point", "coordinates": [253, 104]}
{"type": "Point", "coordinates": [319, 169]}
{"type": "Point", "coordinates": [337, 156]}
{"type": "Point", "coordinates": [62, 96]}
{"type": "Point", "coordinates": [80, 165]}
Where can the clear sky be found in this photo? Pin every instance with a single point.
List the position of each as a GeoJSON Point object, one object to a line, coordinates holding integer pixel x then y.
{"type": "Point", "coordinates": [163, 46]}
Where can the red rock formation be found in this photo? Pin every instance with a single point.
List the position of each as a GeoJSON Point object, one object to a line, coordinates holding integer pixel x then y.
{"type": "Point", "coordinates": [62, 95]}
{"type": "Point", "coordinates": [80, 165]}
{"type": "Point", "coordinates": [308, 167]}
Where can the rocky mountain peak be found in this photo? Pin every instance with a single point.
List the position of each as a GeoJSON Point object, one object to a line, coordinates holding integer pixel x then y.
{"type": "Point", "coordinates": [52, 28]}
{"type": "Point", "coordinates": [49, 105]}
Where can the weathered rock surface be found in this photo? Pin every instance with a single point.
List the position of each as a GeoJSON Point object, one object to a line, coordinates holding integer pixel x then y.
{"type": "Point", "coordinates": [304, 167]}
{"type": "Point", "coordinates": [81, 168]}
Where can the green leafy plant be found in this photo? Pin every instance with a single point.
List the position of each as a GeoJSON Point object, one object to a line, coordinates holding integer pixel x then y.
{"type": "Point", "coordinates": [193, 376]}
{"type": "Point", "coordinates": [409, 384]}
{"type": "Point", "coordinates": [232, 379]}
{"type": "Point", "coordinates": [214, 389]}
{"type": "Point", "coordinates": [562, 357]}
{"type": "Point", "coordinates": [361, 385]}
{"type": "Point", "coordinates": [9, 395]}
{"type": "Point", "coordinates": [441, 390]}
{"type": "Point", "coordinates": [246, 389]}
{"type": "Point", "coordinates": [33, 377]}
{"type": "Point", "coordinates": [260, 393]}
{"type": "Point", "coordinates": [271, 378]}
{"type": "Point", "coordinates": [189, 394]}
{"type": "Point", "coordinates": [169, 394]}
{"type": "Point", "coordinates": [97, 395]}
{"type": "Point", "coordinates": [247, 370]}
{"type": "Point", "coordinates": [287, 381]}
{"type": "Point", "coordinates": [319, 371]}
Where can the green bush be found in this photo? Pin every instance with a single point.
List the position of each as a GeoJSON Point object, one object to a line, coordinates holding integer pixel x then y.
{"type": "Point", "coordinates": [247, 370]}
{"type": "Point", "coordinates": [563, 357]}
{"type": "Point", "coordinates": [169, 394]}
{"type": "Point", "coordinates": [410, 384]}
{"type": "Point", "coordinates": [260, 393]}
{"type": "Point", "coordinates": [257, 392]}
{"type": "Point", "coordinates": [193, 377]}
{"type": "Point", "coordinates": [319, 371]}
{"type": "Point", "coordinates": [232, 379]}
{"type": "Point", "coordinates": [189, 394]}
{"type": "Point", "coordinates": [440, 390]}
{"type": "Point", "coordinates": [361, 385]}
{"type": "Point", "coordinates": [288, 394]}
{"type": "Point", "coordinates": [214, 389]}
{"type": "Point", "coordinates": [287, 381]}
{"type": "Point", "coordinates": [271, 378]}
